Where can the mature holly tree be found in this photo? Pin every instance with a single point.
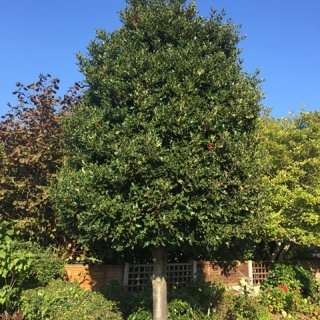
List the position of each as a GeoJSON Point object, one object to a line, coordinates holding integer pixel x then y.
{"type": "Point", "coordinates": [162, 154]}
{"type": "Point", "coordinates": [293, 178]}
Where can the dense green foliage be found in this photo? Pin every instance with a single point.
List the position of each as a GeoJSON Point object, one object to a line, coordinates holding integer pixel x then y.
{"type": "Point", "coordinates": [199, 300]}
{"type": "Point", "coordinates": [198, 296]}
{"type": "Point", "coordinates": [165, 151]}
{"type": "Point", "coordinates": [162, 151]}
{"type": "Point", "coordinates": [64, 300]}
{"type": "Point", "coordinates": [14, 269]}
{"type": "Point", "coordinates": [246, 307]}
{"type": "Point", "coordinates": [46, 265]}
{"type": "Point", "coordinates": [282, 296]}
{"type": "Point", "coordinates": [23, 266]}
{"type": "Point", "coordinates": [289, 289]}
{"type": "Point", "coordinates": [293, 178]}
{"type": "Point", "coordinates": [293, 276]}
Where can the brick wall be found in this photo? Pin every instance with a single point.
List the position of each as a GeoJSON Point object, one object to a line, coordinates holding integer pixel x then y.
{"type": "Point", "coordinates": [230, 275]}
{"type": "Point", "coordinates": [97, 277]}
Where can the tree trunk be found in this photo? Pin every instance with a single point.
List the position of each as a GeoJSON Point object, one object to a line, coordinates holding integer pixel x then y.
{"type": "Point", "coordinates": [281, 249]}
{"type": "Point", "coordinates": [159, 283]}
{"type": "Point", "coordinates": [276, 251]}
{"type": "Point", "coordinates": [284, 250]}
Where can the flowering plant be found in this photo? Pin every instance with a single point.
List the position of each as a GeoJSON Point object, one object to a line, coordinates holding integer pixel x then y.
{"type": "Point", "coordinates": [288, 289]}
{"type": "Point", "coordinates": [280, 299]}
{"type": "Point", "coordinates": [290, 277]}
{"type": "Point", "coordinates": [284, 288]}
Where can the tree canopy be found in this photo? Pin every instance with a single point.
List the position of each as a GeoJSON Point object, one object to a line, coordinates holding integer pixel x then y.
{"type": "Point", "coordinates": [162, 153]}
{"type": "Point", "coordinates": [30, 156]}
{"type": "Point", "coordinates": [292, 176]}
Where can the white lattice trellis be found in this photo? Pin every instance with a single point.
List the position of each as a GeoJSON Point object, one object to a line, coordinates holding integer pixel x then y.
{"type": "Point", "coordinates": [137, 277]}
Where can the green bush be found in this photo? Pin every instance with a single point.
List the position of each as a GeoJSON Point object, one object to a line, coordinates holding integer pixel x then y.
{"type": "Point", "coordinates": [292, 276]}
{"type": "Point", "coordinates": [316, 296]}
{"type": "Point", "coordinates": [198, 298]}
{"type": "Point", "coordinates": [291, 289]}
{"type": "Point", "coordinates": [140, 314]}
{"type": "Point", "coordinates": [288, 301]}
{"type": "Point", "coordinates": [234, 307]}
{"type": "Point", "coordinates": [125, 301]}
{"type": "Point", "coordinates": [15, 268]}
{"type": "Point", "coordinates": [24, 265]}
{"type": "Point", "coordinates": [46, 265]}
{"type": "Point", "coordinates": [65, 300]}
{"type": "Point", "coordinates": [199, 293]}
{"type": "Point", "coordinates": [280, 298]}
{"type": "Point", "coordinates": [246, 307]}
{"type": "Point", "coordinates": [177, 310]}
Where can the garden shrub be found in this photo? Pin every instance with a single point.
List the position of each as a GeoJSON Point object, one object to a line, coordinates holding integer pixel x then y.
{"type": "Point", "coordinates": [287, 301]}
{"type": "Point", "coordinates": [46, 265]}
{"type": "Point", "coordinates": [238, 307]}
{"type": "Point", "coordinates": [225, 305]}
{"type": "Point", "coordinates": [199, 294]}
{"type": "Point", "coordinates": [177, 310]}
{"type": "Point", "coordinates": [15, 268]}
{"type": "Point", "coordinates": [182, 310]}
{"type": "Point", "coordinates": [125, 301]}
{"type": "Point", "coordinates": [307, 281]}
{"type": "Point", "coordinates": [316, 296]}
{"type": "Point", "coordinates": [289, 289]}
{"type": "Point", "coordinates": [292, 276]}
{"type": "Point", "coordinates": [140, 314]}
{"type": "Point", "coordinates": [195, 300]}
{"type": "Point", "coordinates": [198, 298]}
{"type": "Point", "coordinates": [65, 300]}
{"type": "Point", "coordinates": [24, 265]}
{"type": "Point", "coordinates": [246, 307]}
{"type": "Point", "coordinates": [281, 298]}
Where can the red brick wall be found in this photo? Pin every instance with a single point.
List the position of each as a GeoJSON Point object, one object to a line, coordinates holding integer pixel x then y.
{"type": "Point", "coordinates": [230, 275]}
{"type": "Point", "coordinates": [97, 277]}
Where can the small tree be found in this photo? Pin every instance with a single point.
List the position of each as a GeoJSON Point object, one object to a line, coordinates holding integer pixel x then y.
{"type": "Point", "coordinates": [162, 153]}
{"type": "Point", "coordinates": [293, 178]}
{"type": "Point", "coordinates": [30, 156]}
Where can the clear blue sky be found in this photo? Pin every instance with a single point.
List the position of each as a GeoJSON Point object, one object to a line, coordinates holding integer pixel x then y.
{"type": "Point", "coordinates": [283, 40]}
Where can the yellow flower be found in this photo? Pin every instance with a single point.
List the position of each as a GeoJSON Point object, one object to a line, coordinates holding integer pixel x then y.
{"type": "Point", "coordinates": [243, 283]}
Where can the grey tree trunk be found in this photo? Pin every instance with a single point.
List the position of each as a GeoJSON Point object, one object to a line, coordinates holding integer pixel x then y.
{"type": "Point", "coordinates": [159, 283]}
{"type": "Point", "coordinates": [280, 251]}
{"type": "Point", "coordinates": [276, 251]}
{"type": "Point", "coordinates": [284, 250]}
